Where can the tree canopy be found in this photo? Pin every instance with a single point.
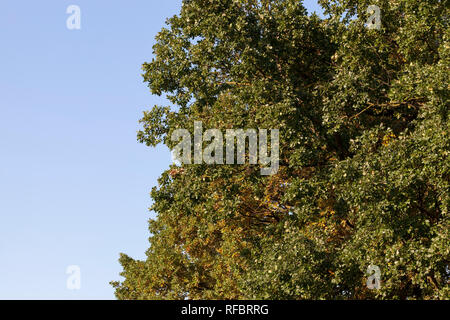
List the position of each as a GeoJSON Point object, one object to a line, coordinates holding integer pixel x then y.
{"type": "Point", "coordinates": [364, 164]}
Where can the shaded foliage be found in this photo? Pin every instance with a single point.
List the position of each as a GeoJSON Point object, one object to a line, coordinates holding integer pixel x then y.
{"type": "Point", "coordinates": [364, 146]}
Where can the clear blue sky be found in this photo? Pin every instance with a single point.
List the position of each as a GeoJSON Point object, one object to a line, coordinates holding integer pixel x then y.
{"type": "Point", "coordinates": [74, 182]}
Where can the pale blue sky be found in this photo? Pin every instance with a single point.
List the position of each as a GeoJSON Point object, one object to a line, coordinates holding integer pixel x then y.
{"type": "Point", "coordinates": [74, 182]}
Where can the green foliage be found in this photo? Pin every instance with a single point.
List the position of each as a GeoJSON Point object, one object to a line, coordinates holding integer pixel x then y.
{"type": "Point", "coordinates": [364, 146]}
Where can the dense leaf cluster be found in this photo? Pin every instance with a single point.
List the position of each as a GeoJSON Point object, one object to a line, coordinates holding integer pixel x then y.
{"type": "Point", "coordinates": [364, 174]}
